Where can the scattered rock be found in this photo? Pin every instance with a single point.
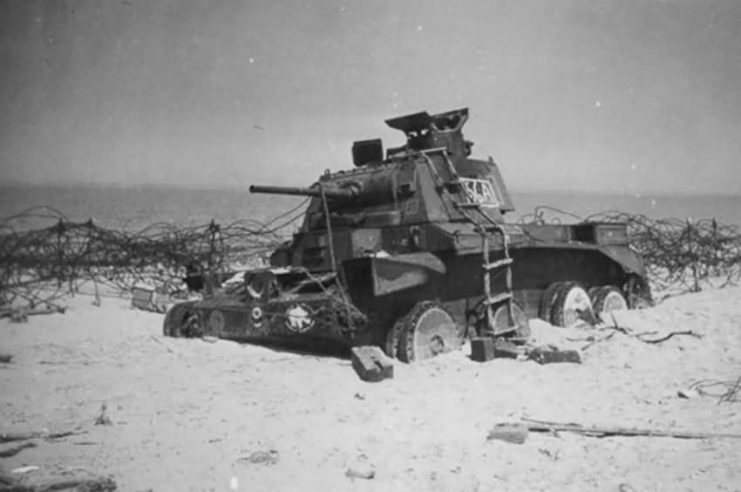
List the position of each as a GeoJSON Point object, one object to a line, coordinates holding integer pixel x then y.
{"type": "Point", "coordinates": [209, 339]}
{"type": "Point", "coordinates": [554, 455]}
{"type": "Point", "coordinates": [24, 469]}
{"type": "Point", "coordinates": [269, 457]}
{"type": "Point", "coordinates": [626, 487]}
{"type": "Point", "coordinates": [5, 358]}
{"type": "Point", "coordinates": [515, 433]}
{"type": "Point", "coordinates": [688, 393]}
{"type": "Point", "coordinates": [361, 470]}
{"type": "Point", "coordinates": [103, 419]}
{"type": "Point", "coordinates": [371, 364]}
{"type": "Point", "coordinates": [549, 354]}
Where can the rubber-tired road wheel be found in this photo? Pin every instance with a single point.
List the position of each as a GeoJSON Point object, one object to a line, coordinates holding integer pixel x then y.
{"type": "Point", "coordinates": [193, 326]}
{"type": "Point", "coordinates": [571, 306]}
{"type": "Point", "coordinates": [426, 331]}
{"type": "Point", "coordinates": [637, 292]}
{"type": "Point", "coordinates": [501, 321]}
{"type": "Point", "coordinates": [174, 320]}
{"type": "Point", "coordinates": [607, 298]}
{"type": "Point", "coordinates": [549, 298]}
{"type": "Point", "coordinates": [393, 337]}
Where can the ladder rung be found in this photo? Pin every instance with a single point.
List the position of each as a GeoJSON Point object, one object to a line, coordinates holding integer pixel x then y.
{"type": "Point", "coordinates": [504, 296]}
{"type": "Point", "coordinates": [497, 264]}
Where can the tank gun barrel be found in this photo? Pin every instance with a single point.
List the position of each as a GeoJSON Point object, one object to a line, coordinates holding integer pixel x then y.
{"type": "Point", "coordinates": [313, 191]}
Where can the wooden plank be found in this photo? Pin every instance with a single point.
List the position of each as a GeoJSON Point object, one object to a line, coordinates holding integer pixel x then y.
{"type": "Point", "coordinates": [596, 431]}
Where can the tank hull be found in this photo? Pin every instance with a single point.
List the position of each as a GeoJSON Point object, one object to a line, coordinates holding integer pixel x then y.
{"type": "Point", "coordinates": [378, 290]}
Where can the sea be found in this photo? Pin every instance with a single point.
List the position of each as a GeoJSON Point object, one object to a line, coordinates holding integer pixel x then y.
{"type": "Point", "coordinates": [134, 208]}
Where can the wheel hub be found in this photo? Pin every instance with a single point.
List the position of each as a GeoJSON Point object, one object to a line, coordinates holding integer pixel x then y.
{"type": "Point", "coordinates": [437, 345]}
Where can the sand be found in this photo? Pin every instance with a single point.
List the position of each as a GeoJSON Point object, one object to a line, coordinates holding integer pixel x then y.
{"type": "Point", "coordinates": [190, 415]}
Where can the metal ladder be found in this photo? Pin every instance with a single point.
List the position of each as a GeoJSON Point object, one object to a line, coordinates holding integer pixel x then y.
{"type": "Point", "coordinates": [486, 227]}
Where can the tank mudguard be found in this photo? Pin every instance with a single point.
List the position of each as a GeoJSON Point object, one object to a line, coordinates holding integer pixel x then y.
{"type": "Point", "coordinates": [626, 258]}
{"type": "Point", "coordinates": [403, 272]}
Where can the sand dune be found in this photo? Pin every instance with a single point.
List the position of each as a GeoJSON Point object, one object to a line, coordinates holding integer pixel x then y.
{"type": "Point", "coordinates": [191, 415]}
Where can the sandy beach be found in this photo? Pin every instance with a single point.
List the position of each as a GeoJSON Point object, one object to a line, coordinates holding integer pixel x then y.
{"type": "Point", "coordinates": [190, 415]}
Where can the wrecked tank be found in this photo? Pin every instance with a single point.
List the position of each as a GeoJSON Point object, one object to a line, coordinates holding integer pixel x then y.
{"type": "Point", "coordinates": [409, 250]}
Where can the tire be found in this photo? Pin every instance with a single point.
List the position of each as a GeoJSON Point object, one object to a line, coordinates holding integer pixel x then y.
{"type": "Point", "coordinates": [637, 292]}
{"type": "Point", "coordinates": [571, 306]}
{"type": "Point", "coordinates": [426, 331]}
{"type": "Point", "coordinates": [193, 325]}
{"type": "Point", "coordinates": [546, 303]}
{"type": "Point", "coordinates": [593, 292]}
{"type": "Point", "coordinates": [607, 298]}
{"type": "Point", "coordinates": [393, 337]}
{"type": "Point", "coordinates": [174, 319]}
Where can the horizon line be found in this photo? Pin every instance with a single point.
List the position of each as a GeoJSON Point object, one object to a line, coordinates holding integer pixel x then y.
{"type": "Point", "coordinates": [555, 191]}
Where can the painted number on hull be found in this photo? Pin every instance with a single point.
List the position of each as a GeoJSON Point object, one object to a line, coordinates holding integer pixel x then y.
{"type": "Point", "coordinates": [480, 191]}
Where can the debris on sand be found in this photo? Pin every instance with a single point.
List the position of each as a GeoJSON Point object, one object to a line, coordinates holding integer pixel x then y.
{"type": "Point", "coordinates": [269, 457]}
{"type": "Point", "coordinates": [484, 349]}
{"type": "Point", "coordinates": [360, 470]}
{"type": "Point", "coordinates": [549, 354]}
{"type": "Point", "coordinates": [516, 433]}
{"type": "Point", "coordinates": [7, 453]}
{"type": "Point", "coordinates": [24, 436]}
{"type": "Point", "coordinates": [11, 484]}
{"type": "Point", "coordinates": [597, 431]}
{"type": "Point", "coordinates": [725, 391]}
{"type": "Point", "coordinates": [103, 419]}
{"type": "Point", "coordinates": [371, 364]}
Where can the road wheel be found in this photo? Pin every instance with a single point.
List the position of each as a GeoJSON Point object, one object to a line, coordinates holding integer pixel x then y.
{"type": "Point", "coordinates": [193, 326]}
{"type": "Point", "coordinates": [174, 320]}
{"type": "Point", "coordinates": [607, 298]}
{"type": "Point", "coordinates": [549, 298]}
{"type": "Point", "coordinates": [501, 322]}
{"type": "Point", "coordinates": [427, 330]}
{"type": "Point", "coordinates": [637, 293]}
{"type": "Point", "coordinates": [393, 337]}
{"type": "Point", "coordinates": [571, 306]}
{"type": "Point", "coordinates": [593, 292]}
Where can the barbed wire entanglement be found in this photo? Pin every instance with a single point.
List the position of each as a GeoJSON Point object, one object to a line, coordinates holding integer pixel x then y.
{"type": "Point", "coordinates": [680, 255]}
{"type": "Point", "coordinates": [45, 256]}
{"type": "Point", "coordinates": [40, 265]}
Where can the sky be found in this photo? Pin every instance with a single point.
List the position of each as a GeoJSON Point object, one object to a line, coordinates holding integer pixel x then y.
{"type": "Point", "coordinates": [622, 96]}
